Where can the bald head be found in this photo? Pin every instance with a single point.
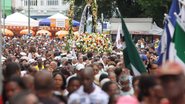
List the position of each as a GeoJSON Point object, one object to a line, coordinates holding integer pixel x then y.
{"type": "Point", "coordinates": [43, 81]}
{"type": "Point", "coordinates": [87, 78]}
{"type": "Point", "coordinates": [88, 72]}
{"type": "Point", "coordinates": [29, 81]}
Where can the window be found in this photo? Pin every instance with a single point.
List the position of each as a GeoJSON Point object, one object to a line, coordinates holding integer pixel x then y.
{"type": "Point", "coordinates": [33, 2]}
{"type": "Point", "coordinates": [25, 2]}
{"type": "Point", "coordinates": [41, 2]}
{"type": "Point", "coordinates": [52, 2]}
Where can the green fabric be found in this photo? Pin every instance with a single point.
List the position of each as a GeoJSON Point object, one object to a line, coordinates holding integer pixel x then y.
{"type": "Point", "coordinates": [131, 55]}
{"type": "Point", "coordinates": [179, 40]}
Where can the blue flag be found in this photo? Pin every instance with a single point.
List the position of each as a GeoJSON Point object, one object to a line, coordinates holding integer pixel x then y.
{"type": "Point", "coordinates": [167, 36]}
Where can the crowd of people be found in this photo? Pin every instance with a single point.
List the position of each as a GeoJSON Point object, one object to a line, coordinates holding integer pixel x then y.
{"type": "Point", "coordinates": [38, 70]}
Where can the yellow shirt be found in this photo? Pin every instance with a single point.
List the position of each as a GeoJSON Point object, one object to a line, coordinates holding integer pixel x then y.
{"type": "Point", "coordinates": [37, 68]}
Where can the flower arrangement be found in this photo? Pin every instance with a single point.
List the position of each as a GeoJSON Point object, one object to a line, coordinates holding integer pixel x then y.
{"type": "Point", "coordinates": [94, 42]}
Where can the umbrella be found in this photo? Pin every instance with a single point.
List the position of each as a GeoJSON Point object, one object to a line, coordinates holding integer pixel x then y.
{"type": "Point", "coordinates": [62, 33]}
{"type": "Point", "coordinates": [7, 32]}
{"type": "Point", "coordinates": [25, 31]}
{"type": "Point", "coordinates": [43, 32]}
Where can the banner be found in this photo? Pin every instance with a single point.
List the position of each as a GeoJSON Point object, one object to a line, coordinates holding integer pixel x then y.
{"type": "Point", "coordinates": [60, 23]}
{"type": "Point", "coordinates": [53, 22]}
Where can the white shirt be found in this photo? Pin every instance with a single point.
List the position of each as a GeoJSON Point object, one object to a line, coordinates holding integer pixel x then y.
{"type": "Point", "coordinates": [96, 97]}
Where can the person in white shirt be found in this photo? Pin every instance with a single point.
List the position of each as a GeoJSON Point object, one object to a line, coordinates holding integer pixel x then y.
{"type": "Point", "coordinates": [88, 93]}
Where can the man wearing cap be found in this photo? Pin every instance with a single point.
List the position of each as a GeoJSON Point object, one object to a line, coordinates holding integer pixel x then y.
{"type": "Point", "coordinates": [78, 69]}
{"type": "Point", "coordinates": [172, 78]}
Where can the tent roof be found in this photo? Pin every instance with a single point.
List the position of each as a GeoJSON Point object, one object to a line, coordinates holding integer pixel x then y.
{"type": "Point", "coordinates": [19, 19]}
{"type": "Point", "coordinates": [156, 30]}
{"type": "Point", "coordinates": [47, 22]}
{"type": "Point", "coordinates": [134, 25]}
{"type": "Point", "coordinates": [58, 16]}
{"type": "Point", "coordinates": [44, 22]}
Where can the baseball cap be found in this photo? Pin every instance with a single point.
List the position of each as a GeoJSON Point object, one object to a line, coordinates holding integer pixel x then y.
{"type": "Point", "coordinates": [23, 53]}
{"type": "Point", "coordinates": [31, 61]}
{"type": "Point", "coordinates": [80, 67]}
{"type": "Point", "coordinates": [143, 57]}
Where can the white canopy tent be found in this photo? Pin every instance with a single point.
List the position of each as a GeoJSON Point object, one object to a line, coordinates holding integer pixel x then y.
{"type": "Point", "coordinates": [18, 19]}
{"type": "Point", "coordinates": [156, 30]}
{"type": "Point", "coordinates": [137, 26]}
{"type": "Point", "coordinates": [58, 16]}
{"type": "Point", "coordinates": [59, 19]}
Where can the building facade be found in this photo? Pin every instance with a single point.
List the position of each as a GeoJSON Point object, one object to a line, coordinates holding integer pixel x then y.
{"type": "Point", "coordinates": [7, 6]}
{"type": "Point", "coordinates": [40, 9]}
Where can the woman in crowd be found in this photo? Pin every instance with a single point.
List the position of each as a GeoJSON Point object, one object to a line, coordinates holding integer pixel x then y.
{"type": "Point", "coordinates": [59, 83]}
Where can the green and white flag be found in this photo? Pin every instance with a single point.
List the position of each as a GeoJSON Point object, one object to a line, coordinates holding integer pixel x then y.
{"type": "Point", "coordinates": [132, 59]}
{"type": "Point", "coordinates": [179, 42]}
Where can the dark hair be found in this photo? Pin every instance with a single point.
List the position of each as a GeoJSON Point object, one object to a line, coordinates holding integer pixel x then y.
{"type": "Point", "coordinates": [65, 72]}
{"type": "Point", "coordinates": [63, 77]}
{"type": "Point", "coordinates": [73, 79]}
{"type": "Point", "coordinates": [103, 76]}
{"type": "Point", "coordinates": [145, 83]}
{"type": "Point", "coordinates": [101, 64]}
{"type": "Point", "coordinates": [20, 97]}
{"type": "Point", "coordinates": [117, 71]}
{"type": "Point", "coordinates": [19, 82]}
{"type": "Point", "coordinates": [117, 60]}
{"type": "Point", "coordinates": [43, 81]}
{"type": "Point", "coordinates": [106, 86]}
{"type": "Point", "coordinates": [32, 49]}
{"type": "Point", "coordinates": [85, 58]}
{"type": "Point", "coordinates": [11, 69]}
{"type": "Point", "coordinates": [89, 55]}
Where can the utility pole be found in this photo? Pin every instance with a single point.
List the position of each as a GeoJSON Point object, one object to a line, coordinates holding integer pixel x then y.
{"type": "Point", "coordinates": [28, 17]}
{"type": "Point", "coordinates": [3, 17]}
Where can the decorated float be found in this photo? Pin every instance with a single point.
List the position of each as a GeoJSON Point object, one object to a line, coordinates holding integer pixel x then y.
{"type": "Point", "coordinates": [87, 39]}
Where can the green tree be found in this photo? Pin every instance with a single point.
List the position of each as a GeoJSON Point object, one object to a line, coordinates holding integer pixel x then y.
{"type": "Point", "coordinates": [106, 7]}
{"type": "Point", "coordinates": [129, 8]}
{"type": "Point", "coordinates": [144, 8]}
{"type": "Point", "coordinates": [155, 9]}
